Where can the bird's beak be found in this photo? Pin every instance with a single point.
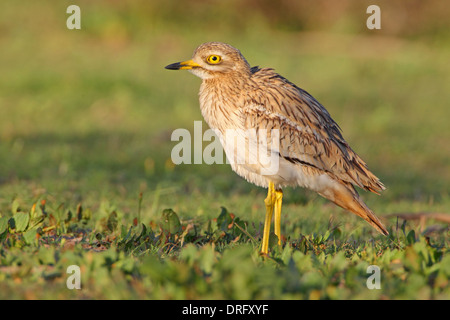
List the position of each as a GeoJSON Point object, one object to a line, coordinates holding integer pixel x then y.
{"type": "Point", "coordinates": [185, 65]}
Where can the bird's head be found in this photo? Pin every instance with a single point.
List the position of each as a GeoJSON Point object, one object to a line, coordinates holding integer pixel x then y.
{"type": "Point", "coordinates": [212, 60]}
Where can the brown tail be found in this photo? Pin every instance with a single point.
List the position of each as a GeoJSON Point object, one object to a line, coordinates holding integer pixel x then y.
{"type": "Point", "coordinates": [345, 196]}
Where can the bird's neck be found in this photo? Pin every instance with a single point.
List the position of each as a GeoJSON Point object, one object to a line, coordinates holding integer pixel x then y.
{"type": "Point", "coordinates": [220, 100]}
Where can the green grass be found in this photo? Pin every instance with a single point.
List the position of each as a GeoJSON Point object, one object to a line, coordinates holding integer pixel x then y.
{"type": "Point", "coordinates": [85, 175]}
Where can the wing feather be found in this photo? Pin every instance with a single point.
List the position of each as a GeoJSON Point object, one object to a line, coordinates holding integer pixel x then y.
{"type": "Point", "coordinates": [309, 135]}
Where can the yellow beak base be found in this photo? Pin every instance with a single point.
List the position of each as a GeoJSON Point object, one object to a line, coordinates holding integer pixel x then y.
{"type": "Point", "coordinates": [185, 65]}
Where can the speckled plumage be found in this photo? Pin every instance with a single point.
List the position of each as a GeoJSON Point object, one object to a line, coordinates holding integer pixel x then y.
{"type": "Point", "coordinates": [312, 152]}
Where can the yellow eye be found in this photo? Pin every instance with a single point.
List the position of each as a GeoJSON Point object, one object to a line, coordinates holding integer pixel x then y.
{"type": "Point", "coordinates": [214, 59]}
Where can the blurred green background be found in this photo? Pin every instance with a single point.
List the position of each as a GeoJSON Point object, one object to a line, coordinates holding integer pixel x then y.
{"type": "Point", "coordinates": [86, 115]}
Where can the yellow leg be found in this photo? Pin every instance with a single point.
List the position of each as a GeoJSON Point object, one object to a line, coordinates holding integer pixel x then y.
{"type": "Point", "coordinates": [278, 200]}
{"type": "Point", "coordinates": [269, 202]}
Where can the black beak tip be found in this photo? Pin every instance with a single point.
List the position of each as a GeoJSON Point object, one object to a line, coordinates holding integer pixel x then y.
{"type": "Point", "coordinates": [173, 66]}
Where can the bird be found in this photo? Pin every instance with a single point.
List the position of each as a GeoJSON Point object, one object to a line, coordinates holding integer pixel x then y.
{"type": "Point", "coordinates": [300, 135]}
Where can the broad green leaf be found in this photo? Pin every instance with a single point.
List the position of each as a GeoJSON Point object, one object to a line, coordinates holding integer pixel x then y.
{"type": "Point", "coordinates": [3, 224]}
{"type": "Point", "coordinates": [30, 236]}
{"type": "Point", "coordinates": [411, 237]}
{"type": "Point", "coordinates": [170, 221]}
{"type": "Point", "coordinates": [21, 219]}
